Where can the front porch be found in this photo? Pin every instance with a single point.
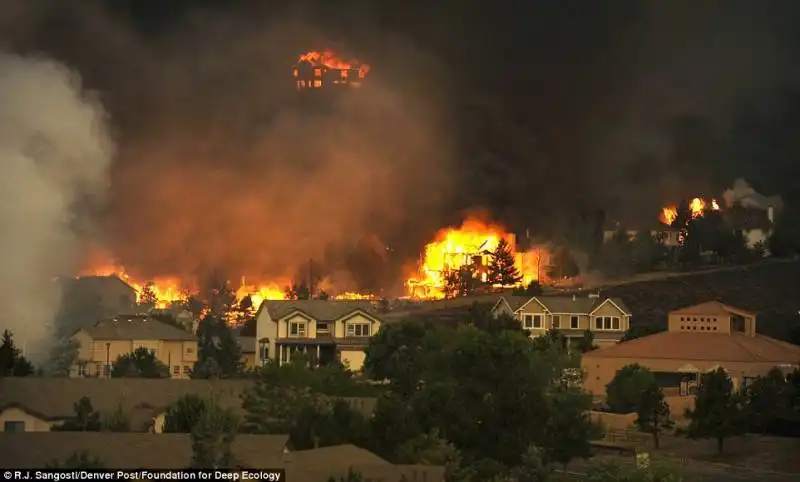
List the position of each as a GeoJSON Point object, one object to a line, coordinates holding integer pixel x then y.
{"type": "Point", "coordinates": [320, 352]}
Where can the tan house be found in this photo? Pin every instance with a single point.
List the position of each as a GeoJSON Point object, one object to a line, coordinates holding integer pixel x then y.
{"type": "Point", "coordinates": [141, 450]}
{"type": "Point", "coordinates": [36, 404]}
{"type": "Point", "coordinates": [607, 319]}
{"type": "Point", "coordinates": [326, 330]}
{"type": "Point", "coordinates": [699, 339]}
{"type": "Point", "coordinates": [102, 343]}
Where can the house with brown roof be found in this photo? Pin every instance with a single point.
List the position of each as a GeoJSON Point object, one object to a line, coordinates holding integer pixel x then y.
{"type": "Point", "coordinates": [174, 451]}
{"type": "Point", "coordinates": [87, 299]}
{"type": "Point", "coordinates": [104, 341]}
{"type": "Point", "coordinates": [606, 318]}
{"type": "Point", "coordinates": [699, 339]}
{"type": "Point", "coordinates": [326, 330]}
{"type": "Point", "coordinates": [36, 404]}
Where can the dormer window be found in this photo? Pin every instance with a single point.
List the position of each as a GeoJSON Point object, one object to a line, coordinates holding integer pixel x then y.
{"type": "Point", "coordinates": [358, 329]}
{"type": "Point", "coordinates": [298, 329]}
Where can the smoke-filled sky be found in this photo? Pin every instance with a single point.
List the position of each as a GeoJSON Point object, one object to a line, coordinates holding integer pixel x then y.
{"type": "Point", "coordinates": [538, 112]}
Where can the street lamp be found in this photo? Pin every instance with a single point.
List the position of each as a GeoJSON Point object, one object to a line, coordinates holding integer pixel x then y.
{"type": "Point", "coordinates": [108, 359]}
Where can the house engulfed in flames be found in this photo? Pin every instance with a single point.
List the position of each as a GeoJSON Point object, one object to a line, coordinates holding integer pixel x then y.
{"type": "Point", "coordinates": [471, 245]}
{"type": "Point", "coordinates": [697, 207]}
{"type": "Point", "coordinates": [317, 70]}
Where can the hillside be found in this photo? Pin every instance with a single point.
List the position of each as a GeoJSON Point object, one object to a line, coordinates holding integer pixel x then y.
{"type": "Point", "coordinates": [770, 289]}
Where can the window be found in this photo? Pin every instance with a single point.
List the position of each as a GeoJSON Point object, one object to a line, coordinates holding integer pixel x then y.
{"type": "Point", "coordinates": [358, 329]}
{"type": "Point", "coordinates": [556, 321]}
{"type": "Point", "coordinates": [537, 321]}
{"type": "Point", "coordinates": [82, 370]}
{"type": "Point", "coordinates": [189, 350]}
{"type": "Point", "coordinates": [297, 329]}
{"type": "Point", "coordinates": [317, 83]}
{"type": "Point", "coordinates": [187, 370]}
{"type": "Point", "coordinates": [607, 323]}
{"type": "Point", "coordinates": [317, 72]}
{"type": "Point", "coordinates": [527, 321]}
{"type": "Point", "coordinates": [176, 370]}
{"type": "Point", "coordinates": [574, 322]}
{"type": "Point", "coordinates": [323, 328]}
{"type": "Point", "coordinates": [14, 426]}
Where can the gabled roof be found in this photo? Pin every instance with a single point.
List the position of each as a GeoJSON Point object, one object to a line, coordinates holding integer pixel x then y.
{"type": "Point", "coordinates": [96, 283]}
{"type": "Point", "coordinates": [714, 347]}
{"type": "Point", "coordinates": [130, 450]}
{"type": "Point", "coordinates": [136, 327]}
{"type": "Point", "coordinates": [53, 398]}
{"type": "Point", "coordinates": [712, 308]}
{"type": "Point", "coordinates": [321, 310]}
{"type": "Point", "coordinates": [562, 304]}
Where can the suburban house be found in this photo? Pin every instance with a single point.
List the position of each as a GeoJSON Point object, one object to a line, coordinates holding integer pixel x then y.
{"type": "Point", "coordinates": [325, 330]}
{"type": "Point", "coordinates": [36, 404]}
{"type": "Point", "coordinates": [174, 450]}
{"type": "Point", "coordinates": [247, 345]}
{"type": "Point", "coordinates": [754, 224]}
{"type": "Point", "coordinates": [667, 235]}
{"type": "Point", "coordinates": [699, 339]}
{"type": "Point", "coordinates": [87, 299]}
{"type": "Point", "coordinates": [103, 342]}
{"type": "Point", "coordinates": [607, 319]}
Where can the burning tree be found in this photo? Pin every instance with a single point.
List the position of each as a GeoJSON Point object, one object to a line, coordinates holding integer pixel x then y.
{"type": "Point", "coordinates": [461, 282]}
{"type": "Point", "coordinates": [502, 267]}
{"type": "Point", "coordinates": [147, 295]}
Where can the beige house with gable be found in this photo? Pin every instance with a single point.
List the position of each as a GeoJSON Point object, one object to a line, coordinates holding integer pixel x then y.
{"type": "Point", "coordinates": [325, 330]}
{"type": "Point", "coordinates": [607, 319]}
{"type": "Point", "coordinates": [102, 343]}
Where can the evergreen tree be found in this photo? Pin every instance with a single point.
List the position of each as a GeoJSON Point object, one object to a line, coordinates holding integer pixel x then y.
{"type": "Point", "coordinates": [12, 362]}
{"type": "Point", "coordinates": [768, 400]}
{"type": "Point", "coordinates": [147, 295]}
{"type": "Point", "coordinates": [718, 411]}
{"type": "Point", "coordinates": [142, 363]}
{"type": "Point", "coordinates": [653, 412]}
{"type": "Point", "coordinates": [86, 418]}
{"type": "Point", "coordinates": [212, 437]}
{"type": "Point", "coordinates": [219, 355]}
{"type": "Point", "coordinates": [586, 343]}
{"type": "Point", "coordinates": [502, 267]}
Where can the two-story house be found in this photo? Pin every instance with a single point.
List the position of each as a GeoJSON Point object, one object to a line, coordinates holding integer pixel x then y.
{"type": "Point", "coordinates": [608, 319]}
{"type": "Point", "coordinates": [699, 339]}
{"type": "Point", "coordinates": [325, 330]}
{"type": "Point", "coordinates": [102, 343]}
{"type": "Point", "coordinates": [669, 236]}
{"type": "Point", "coordinates": [87, 299]}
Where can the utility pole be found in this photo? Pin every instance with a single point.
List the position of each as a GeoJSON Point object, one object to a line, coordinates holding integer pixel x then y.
{"type": "Point", "coordinates": [311, 279]}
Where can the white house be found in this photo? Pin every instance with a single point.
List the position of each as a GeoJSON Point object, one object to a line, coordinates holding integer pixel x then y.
{"type": "Point", "coordinates": [326, 330]}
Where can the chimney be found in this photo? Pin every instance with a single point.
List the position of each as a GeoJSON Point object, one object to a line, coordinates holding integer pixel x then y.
{"type": "Point", "coordinates": [771, 213]}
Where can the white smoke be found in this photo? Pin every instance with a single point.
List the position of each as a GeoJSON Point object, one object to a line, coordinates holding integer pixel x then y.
{"type": "Point", "coordinates": [743, 194]}
{"type": "Point", "coordinates": [55, 151]}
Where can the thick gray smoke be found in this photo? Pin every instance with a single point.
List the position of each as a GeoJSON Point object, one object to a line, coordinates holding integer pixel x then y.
{"type": "Point", "coordinates": [55, 151]}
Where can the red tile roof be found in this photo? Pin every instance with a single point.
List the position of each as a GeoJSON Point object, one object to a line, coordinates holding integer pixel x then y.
{"type": "Point", "coordinates": [712, 308]}
{"type": "Point", "coordinates": [722, 347]}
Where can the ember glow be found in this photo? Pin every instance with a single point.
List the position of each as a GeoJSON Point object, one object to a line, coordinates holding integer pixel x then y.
{"type": "Point", "coordinates": [316, 69]}
{"type": "Point", "coordinates": [697, 206]}
{"type": "Point", "coordinates": [171, 290]}
{"type": "Point", "coordinates": [453, 248]}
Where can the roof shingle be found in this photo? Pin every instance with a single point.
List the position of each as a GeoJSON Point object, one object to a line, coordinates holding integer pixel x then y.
{"type": "Point", "coordinates": [723, 347]}
{"type": "Point", "coordinates": [324, 310]}
{"type": "Point", "coordinates": [136, 327]}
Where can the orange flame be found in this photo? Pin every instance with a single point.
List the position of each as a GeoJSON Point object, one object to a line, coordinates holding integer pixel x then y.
{"type": "Point", "coordinates": [697, 207]}
{"type": "Point", "coordinates": [453, 248]}
{"type": "Point", "coordinates": [329, 59]}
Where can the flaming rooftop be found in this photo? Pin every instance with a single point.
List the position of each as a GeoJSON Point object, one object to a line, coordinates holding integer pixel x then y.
{"type": "Point", "coordinates": [315, 70]}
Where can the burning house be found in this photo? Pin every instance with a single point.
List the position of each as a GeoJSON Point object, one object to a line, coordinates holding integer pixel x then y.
{"type": "Point", "coordinates": [319, 70]}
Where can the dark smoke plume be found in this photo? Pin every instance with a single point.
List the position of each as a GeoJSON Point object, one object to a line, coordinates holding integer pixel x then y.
{"type": "Point", "coordinates": [223, 165]}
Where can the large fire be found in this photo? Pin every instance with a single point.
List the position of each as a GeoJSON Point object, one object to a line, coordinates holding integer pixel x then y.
{"type": "Point", "coordinates": [326, 67]}
{"type": "Point", "coordinates": [697, 207]}
{"type": "Point", "coordinates": [168, 291]}
{"type": "Point", "coordinates": [472, 243]}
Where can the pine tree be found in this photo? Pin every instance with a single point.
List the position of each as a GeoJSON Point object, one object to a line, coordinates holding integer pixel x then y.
{"type": "Point", "coordinates": [12, 362]}
{"type": "Point", "coordinates": [718, 411]}
{"type": "Point", "coordinates": [219, 354]}
{"type": "Point", "coordinates": [502, 268]}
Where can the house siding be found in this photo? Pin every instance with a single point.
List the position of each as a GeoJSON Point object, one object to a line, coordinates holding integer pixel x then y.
{"type": "Point", "coordinates": [92, 353]}
{"type": "Point", "coordinates": [353, 359]}
{"type": "Point", "coordinates": [600, 371]}
{"type": "Point", "coordinates": [32, 423]}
